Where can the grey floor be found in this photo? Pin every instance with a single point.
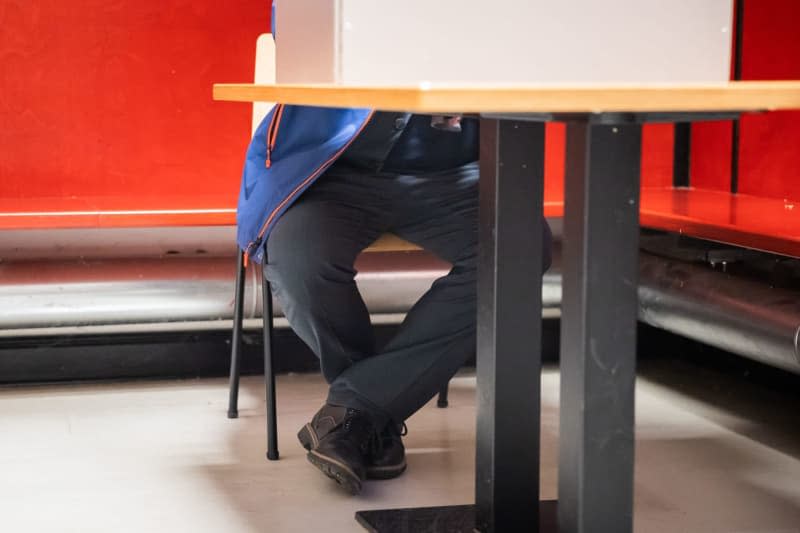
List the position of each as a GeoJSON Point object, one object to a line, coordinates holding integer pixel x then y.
{"type": "Point", "coordinates": [713, 455]}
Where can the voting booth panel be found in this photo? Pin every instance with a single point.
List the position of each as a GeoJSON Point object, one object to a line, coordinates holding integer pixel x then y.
{"type": "Point", "coordinates": [473, 41]}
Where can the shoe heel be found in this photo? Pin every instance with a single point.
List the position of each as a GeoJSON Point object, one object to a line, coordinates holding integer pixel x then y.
{"type": "Point", "coordinates": [305, 437]}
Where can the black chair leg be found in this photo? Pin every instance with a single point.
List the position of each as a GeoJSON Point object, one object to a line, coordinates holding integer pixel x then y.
{"type": "Point", "coordinates": [236, 339]}
{"type": "Point", "coordinates": [269, 373]}
{"type": "Point", "coordinates": [442, 401]}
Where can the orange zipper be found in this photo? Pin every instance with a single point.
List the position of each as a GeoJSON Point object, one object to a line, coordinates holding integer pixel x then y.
{"type": "Point", "coordinates": [272, 132]}
{"type": "Point", "coordinates": [304, 182]}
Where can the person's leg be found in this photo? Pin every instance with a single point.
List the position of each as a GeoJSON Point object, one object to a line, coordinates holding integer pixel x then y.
{"type": "Point", "coordinates": [440, 213]}
{"type": "Point", "coordinates": [310, 255]}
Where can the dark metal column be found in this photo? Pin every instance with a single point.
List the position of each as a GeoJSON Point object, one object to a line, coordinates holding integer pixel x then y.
{"type": "Point", "coordinates": [269, 371]}
{"type": "Point", "coordinates": [681, 154]}
{"type": "Point", "coordinates": [236, 338]}
{"type": "Point", "coordinates": [737, 75]}
{"type": "Point", "coordinates": [509, 347]}
{"type": "Point", "coordinates": [598, 327]}
{"type": "Point", "coordinates": [509, 325]}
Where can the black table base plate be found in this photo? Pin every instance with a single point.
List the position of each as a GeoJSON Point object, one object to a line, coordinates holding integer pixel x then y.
{"type": "Point", "coordinates": [449, 519]}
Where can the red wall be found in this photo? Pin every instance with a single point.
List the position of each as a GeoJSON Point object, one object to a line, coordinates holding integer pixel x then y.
{"type": "Point", "coordinates": [769, 153]}
{"type": "Point", "coordinates": [657, 156]}
{"type": "Point", "coordinates": [769, 163]}
{"type": "Point", "coordinates": [113, 99]}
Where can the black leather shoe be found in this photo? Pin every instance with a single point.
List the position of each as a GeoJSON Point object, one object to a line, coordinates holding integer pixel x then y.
{"type": "Point", "coordinates": [387, 461]}
{"type": "Point", "coordinates": [326, 420]}
{"type": "Point", "coordinates": [344, 452]}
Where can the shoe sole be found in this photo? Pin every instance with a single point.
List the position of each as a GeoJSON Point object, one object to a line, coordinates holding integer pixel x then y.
{"type": "Point", "coordinates": [386, 472]}
{"type": "Point", "coordinates": [307, 438]}
{"type": "Point", "coordinates": [337, 471]}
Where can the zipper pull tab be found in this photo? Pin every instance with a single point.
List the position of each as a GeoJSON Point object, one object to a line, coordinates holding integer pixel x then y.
{"type": "Point", "coordinates": [272, 132]}
{"type": "Point", "coordinates": [251, 248]}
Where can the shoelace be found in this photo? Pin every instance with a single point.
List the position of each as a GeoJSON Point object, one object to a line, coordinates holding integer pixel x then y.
{"type": "Point", "coordinates": [358, 423]}
{"type": "Point", "coordinates": [374, 443]}
{"type": "Point", "coordinates": [378, 443]}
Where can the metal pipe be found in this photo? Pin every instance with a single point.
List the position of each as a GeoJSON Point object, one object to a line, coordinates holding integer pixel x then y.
{"type": "Point", "coordinates": [45, 297]}
{"type": "Point", "coordinates": [83, 295]}
{"type": "Point", "coordinates": [743, 316]}
{"type": "Point", "coordinates": [72, 297]}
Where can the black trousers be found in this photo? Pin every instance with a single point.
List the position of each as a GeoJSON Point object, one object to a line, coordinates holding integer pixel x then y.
{"type": "Point", "coordinates": [311, 254]}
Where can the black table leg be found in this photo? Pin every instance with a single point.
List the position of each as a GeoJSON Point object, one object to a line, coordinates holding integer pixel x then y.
{"type": "Point", "coordinates": [598, 327]}
{"type": "Point", "coordinates": [509, 347]}
{"type": "Point", "coordinates": [509, 325]}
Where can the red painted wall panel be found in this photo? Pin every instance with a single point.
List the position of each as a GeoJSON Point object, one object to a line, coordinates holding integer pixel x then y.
{"type": "Point", "coordinates": [113, 99]}
{"type": "Point", "coordinates": [769, 159]}
{"type": "Point", "coordinates": [769, 155]}
{"type": "Point", "coordinates": [657, 144]}
{"type": "Point", "coordinates": [656, 158]}
{"type": "Point", "coordinates": [554, 149]}
{"type": "Point", "coordinates": [710, 161]}
{"type": "Point", "coordinates": [771, 40]}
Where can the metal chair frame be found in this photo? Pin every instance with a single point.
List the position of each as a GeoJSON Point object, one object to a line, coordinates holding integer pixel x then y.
{"type": "Point", "coordinates": [269, 369]}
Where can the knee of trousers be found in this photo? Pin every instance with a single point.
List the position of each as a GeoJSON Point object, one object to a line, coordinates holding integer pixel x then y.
{"type": "Point", "coordinates": [305, 264]}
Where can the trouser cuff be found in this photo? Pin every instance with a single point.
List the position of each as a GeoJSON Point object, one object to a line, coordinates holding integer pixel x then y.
{"type": "Point", "coordinates": [379, 418]}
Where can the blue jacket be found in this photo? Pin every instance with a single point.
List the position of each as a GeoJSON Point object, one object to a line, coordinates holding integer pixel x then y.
{"type": "Point", "coordinates": [292, 147]}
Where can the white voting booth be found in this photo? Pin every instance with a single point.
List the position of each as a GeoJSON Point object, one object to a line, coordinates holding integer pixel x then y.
{"type": "Point", "coordinates": [372, 42]}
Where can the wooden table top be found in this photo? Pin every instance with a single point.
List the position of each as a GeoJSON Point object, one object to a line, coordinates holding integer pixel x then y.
{"type": "Point", "coordinates": [436, 98]}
